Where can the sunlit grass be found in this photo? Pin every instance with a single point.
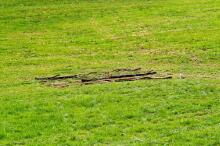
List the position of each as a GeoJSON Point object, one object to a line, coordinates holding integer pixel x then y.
{"type": "Point", "coordinates": [44, 38]}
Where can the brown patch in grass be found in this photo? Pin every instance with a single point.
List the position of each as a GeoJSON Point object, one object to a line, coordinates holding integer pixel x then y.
{"type": "Point", "coordinates": [117, 75]}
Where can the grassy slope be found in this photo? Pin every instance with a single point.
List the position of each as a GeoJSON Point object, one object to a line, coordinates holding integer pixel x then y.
{"type": "Point", "coordinates": [65, 37]}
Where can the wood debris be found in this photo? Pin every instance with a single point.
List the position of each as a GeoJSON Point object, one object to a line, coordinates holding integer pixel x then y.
{"type": "Point", "coordinates": [116, 75]}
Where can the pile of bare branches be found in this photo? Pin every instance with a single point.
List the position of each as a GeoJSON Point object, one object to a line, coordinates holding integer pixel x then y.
{"type": "Point", "coordinates": [108, 77]}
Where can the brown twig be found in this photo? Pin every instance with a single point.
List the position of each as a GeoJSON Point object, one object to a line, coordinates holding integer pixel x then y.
{"type": "Point", "coordinates": [123, 79]}
{"type": "Point", "coordinates": [126, 69]}
{"type": "Point", "coordinates": [57, 77]}
{"type": "Point", "coordinates": [151, 72]}
{"type": "Point", "coordinates": [120, 76]}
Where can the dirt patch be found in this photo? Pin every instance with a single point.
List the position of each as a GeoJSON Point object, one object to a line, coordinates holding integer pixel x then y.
{"type": "Point", "coordinates": [117, 75]}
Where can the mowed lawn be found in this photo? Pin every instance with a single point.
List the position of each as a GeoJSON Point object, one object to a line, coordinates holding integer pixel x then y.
{"type": "Point", "coordinates": [50, 37]}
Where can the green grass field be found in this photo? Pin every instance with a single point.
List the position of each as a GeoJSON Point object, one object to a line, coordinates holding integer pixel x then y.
{"type": "Point", "coordinates": [49, 37]}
